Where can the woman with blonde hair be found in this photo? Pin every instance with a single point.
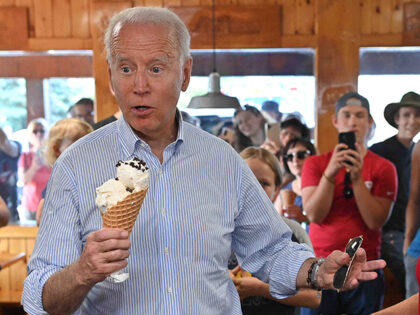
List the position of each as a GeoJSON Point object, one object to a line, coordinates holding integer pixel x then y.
{"type": "Point", "coordinates": [255, 294]}
{"type": "Point", "coordinates": [64, 133]}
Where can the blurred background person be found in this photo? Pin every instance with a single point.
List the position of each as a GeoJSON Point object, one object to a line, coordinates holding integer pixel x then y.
{"type": "Point", "coordinates": [4, 213]}
{"type": "Point", "coordinates": [289, 201]}
{"type": "Point", "coordinates": [248, 128]}
{"type": "Point", "coordinates": [83, 109]}
{"type": "Point", "coordinates": [107, 120]}
{"type": "Point", "coordinates": [64, 133]}
{"type": "Point", "coordinates": [270, 111]}
{"type": "Point", "coordinates": [255, 295]}
{"type": "Point", "coordinates": [195, 121]}
{"type": "Point", "coordinates": [405, 117]}
{"type": "Point", "coordinates": [33, 171]}
{"type": "Point", "coordinates": [9, 157]}
{"type": "Point", "coordinates": [225, 131]}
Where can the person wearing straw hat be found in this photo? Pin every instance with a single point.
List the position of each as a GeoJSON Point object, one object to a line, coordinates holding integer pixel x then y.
{"type": "Point", "coordinates": [405, 117]}
{"type": "Point", "coordinates": [203, 202]}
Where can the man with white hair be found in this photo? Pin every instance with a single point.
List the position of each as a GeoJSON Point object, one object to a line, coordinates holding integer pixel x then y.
{"type": "Point", "coordinates": [203, 201]}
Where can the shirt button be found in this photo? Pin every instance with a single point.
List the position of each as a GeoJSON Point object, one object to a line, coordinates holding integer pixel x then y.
{"type": "Point", "coordinates": [169, 289]}
{"type": "Point", "coordinates": [166, 250]}
{"type": "Point", "coordinates": [163, 211]}
{"type": "Point", "coordinates": [143, 145]}
{"type": "Point", "coordinates": [160, 171]}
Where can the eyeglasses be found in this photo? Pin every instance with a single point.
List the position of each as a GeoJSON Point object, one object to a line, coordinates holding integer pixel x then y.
{"type": "Point", "coordinates": [35, 131]}
{"type": "Point", "coordinates": [299, 154]}
{"type": "Point", "coordinates": [347, 191]}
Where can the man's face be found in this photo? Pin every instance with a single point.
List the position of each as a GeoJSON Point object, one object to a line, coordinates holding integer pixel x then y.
{"type": "Point", "coordinates": [147, 77]}
{"type": "Point", "coordinates": [83, 112]}
{"type": "Point", "coordinates": [353, 118]}
{"type": "Point", "coordinates": [408, 121]}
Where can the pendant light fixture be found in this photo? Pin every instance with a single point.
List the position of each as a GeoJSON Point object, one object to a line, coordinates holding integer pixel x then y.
{"type": "Point", "coordinates": [214, 99]}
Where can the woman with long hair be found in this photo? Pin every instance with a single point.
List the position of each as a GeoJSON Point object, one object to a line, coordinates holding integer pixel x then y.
{"type": "Point", "coordinates": [248, 128]}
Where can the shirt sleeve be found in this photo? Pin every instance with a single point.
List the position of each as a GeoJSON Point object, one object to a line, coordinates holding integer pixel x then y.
{"type": "Point", "coordinates": [60, 218]}
{"type": "Point", "coordinates": [386, 181]}
{"type": "Point", "coordinates": [311, 172]}
{"type": "Point", "coordinates": [262, 241]}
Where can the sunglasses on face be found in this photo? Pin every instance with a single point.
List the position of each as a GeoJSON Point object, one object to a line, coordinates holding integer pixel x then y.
{"type": "Point", "coordinates": [299, 154]}
{"type": "Point", "coordinates": [35, 131]}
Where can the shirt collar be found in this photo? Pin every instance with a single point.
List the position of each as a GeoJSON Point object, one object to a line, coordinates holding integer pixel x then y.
{"type": "Point", "coordinates": [129, 139]}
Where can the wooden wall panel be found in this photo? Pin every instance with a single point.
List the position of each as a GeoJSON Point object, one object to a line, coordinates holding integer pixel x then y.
{"type": "Point", "coordinates": [397, 16]}
{"type": "Point", "coordinates": [153, 3]}
{"type": "Point", "coordinates": [13, 27]}
{"type": "Point", "coordinates": [334, 52]}
{"type": "Point", "coordinates": [101, 13]}
{"type": "Point", "coordinates": [61, 18]}
{"type": "Point", "coordinates": [43, 18]}
{"type": "Point", "coordinates": [365, 16]}
{"type": "Point", "coordinates": [288, 17]}
{"type": "Point", "coordinates": [15, 239]}
{"type": "Point", "coordinates": [7, 3]}
{"type": "Point", "coordinates": [381, 14]}
{"type": "Point", "coordinates": [30, 5]}
{"type": "Point", "coordinates": [305, 17]}
{"type": "Point", "coordinates": [80, 18]}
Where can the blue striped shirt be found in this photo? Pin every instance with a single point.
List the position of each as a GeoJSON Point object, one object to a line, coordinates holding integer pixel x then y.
{"type": "Point", "coordinates": [202, 202]}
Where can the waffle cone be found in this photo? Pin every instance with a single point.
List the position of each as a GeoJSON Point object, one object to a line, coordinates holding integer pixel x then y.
{"type": "Point", "coordinates": [287, 197]}
{"type": "Point", "coordinates": [124, 214]}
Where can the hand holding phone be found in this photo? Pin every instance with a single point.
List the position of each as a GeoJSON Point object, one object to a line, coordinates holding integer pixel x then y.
{"type": "Point", "coordinates": [351, 248]}
{"type": "Point", "coordinates": [348, 138]}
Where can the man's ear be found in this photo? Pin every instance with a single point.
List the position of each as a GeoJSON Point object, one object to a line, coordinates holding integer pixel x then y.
{"type": "Point", "coordinates": [186, 73]}
{"type": "Point", "coordinates": [111, 88]}
{"type": "Point", "coordinates": [334, 120]}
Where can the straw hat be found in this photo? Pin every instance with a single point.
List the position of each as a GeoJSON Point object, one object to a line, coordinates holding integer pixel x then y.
{"type": "Point", "coordinates": [409, 99]}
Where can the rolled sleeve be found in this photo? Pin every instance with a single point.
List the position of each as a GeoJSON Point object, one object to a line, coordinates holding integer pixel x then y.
{"type": "Point", "coordinates": [58, 243]}
{"type": "Point", "coordinates": [33, 287]}
{"type": "Point", "coordinates": [262, 240]}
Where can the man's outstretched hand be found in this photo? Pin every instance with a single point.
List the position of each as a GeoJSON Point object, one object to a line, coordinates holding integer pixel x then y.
{"type": "Point", "coordinates": [361, 269]}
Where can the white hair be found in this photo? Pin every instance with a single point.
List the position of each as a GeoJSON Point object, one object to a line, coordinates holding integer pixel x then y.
{"type": "Point", "coordinates": [149, 15]}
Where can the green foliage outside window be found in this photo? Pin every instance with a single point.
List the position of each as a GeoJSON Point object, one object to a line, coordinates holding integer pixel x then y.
{"type": "Point", "coordinates": [64, 92]}
{"type": "Point", "coordinates": [12, 103]}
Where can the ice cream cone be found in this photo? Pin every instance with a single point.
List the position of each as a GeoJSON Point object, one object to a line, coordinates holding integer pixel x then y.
{"type": "Point", "coordinates": [124, 214]}
{"type": "Point", "coordinates": [287, 197]}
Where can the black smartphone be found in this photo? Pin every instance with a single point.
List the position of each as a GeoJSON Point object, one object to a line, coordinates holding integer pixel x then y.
{"type": "Point", "coordinates": [341, 275]}
{"type": "Point", "coordinates": [348, 138]}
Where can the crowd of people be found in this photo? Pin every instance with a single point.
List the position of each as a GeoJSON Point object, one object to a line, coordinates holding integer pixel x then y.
{"type": "Point", "coordinates": [246, 220]}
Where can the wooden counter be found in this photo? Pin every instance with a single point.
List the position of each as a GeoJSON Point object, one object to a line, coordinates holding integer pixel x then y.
{"type": "Point", "coordinates": [15, 239]}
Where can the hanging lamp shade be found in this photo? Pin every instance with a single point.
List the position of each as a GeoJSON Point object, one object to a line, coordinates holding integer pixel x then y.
{"type": "Point", "coordinates": [214, 99]}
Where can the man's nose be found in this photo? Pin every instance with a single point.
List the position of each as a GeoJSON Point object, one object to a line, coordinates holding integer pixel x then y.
{"type": "Point", "coordinates": [141, 83]}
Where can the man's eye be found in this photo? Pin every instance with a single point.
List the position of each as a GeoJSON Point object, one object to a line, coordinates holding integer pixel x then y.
{"type": "Point", "coordinates": [156, 69]}
{"type": "Point", "coordinates": [125, 69]}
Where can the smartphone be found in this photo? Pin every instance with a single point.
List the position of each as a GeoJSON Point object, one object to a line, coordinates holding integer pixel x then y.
{"type": "Point", "coordinates": [272, 133]}
{"type": "Point", "coordinates": [341, 275]}
{"type": "Point", "coordinates": [348, 138]}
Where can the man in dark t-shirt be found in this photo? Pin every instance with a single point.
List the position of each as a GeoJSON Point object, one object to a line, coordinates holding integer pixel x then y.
{"type": "Point", "coordinates": [405, 116]}
{"type": "Point", "coordinates": [9, 156]}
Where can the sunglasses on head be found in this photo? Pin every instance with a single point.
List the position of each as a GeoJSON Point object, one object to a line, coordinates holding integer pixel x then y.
{"type": "Point", "coordinates": [35, 131]}
{"type": "Point", "coordinates": [299, 154]}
